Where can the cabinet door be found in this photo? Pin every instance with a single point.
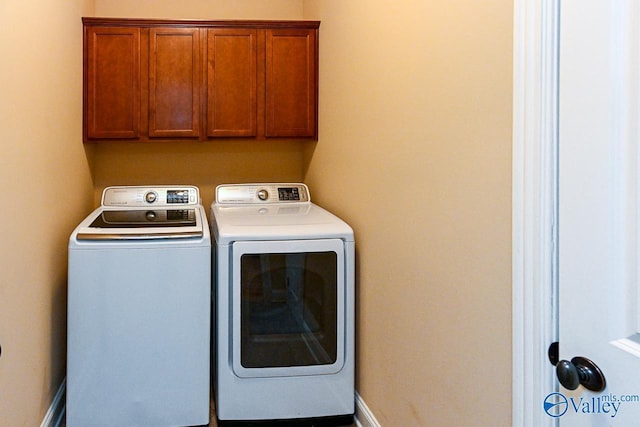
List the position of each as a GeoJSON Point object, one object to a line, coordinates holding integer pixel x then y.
{"type": "Point", "coordinates": [291, 83]}
{"type": "Point", "coordinates": [174, 82]}
{"type": "Point", "coordinates": [231, 83]}
{"type": "Point", "coordinates": [112, 91]}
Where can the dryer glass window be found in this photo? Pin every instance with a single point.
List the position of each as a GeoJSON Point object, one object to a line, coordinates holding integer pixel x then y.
{"type": "Point", "coordinates": [288, 309]}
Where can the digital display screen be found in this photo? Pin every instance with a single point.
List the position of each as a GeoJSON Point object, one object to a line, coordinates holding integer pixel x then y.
{"type": "Point", "coordinates": [288, 193]}
{"type": "Point", "coordinates": [178, 196]}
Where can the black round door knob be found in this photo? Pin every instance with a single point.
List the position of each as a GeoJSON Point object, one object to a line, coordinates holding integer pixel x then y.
{"type": "Point", "coordinates": [580, 371]}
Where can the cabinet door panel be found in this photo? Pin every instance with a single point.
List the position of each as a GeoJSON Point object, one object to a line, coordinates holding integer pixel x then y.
{"type": "Point", "coordinates": [291, 85]}
{"type": "Point", "coordinates": [112, 82]}
{"type": "Point", "coordinates": [231, 90]}
{"type": "Point", "coordinates": [174, 82]}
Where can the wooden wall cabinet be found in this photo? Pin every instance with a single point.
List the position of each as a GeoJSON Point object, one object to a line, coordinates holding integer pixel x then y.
{"type": "Point", "coordinates": [174, 82]}
{"type": "Point", "coordinates": [290, 83]}
{"type": "Point", "coordinates": [232, 98]}
{"type": "Point", "coordinates": [112, 83]}
{"type": "Point", "coordinates": [152, 80]}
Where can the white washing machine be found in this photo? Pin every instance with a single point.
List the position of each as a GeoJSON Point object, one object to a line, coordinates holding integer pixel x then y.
{"type": "Point", "coordinates": [138, 327]}
{"type": "Point", "coordinates": [284, 307]}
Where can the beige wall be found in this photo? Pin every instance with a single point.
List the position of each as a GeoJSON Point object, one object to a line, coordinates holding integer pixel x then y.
{"type": "Point", "coordinates": [414, 152]}
{"type": "Point", "coordinates": [46, 189]}
{"type": "Point", "coordinates": [203, 164]}
{"type": "Point", "coordinates": [200, 9]}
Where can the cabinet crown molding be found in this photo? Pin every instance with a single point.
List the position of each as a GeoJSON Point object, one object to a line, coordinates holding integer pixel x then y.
{"type": "Point", "coordinates": [231, 23]}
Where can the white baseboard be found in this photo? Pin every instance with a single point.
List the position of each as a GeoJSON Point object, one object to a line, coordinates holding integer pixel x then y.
{"type": "Point", "coordinates": [364, 417]}
{"type": "Point", "coordinates": [53, 417]}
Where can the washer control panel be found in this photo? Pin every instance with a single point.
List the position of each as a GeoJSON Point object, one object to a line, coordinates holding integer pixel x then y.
{"type": "Point", "coordinates": [139, 196]}
{"type": "Point", "coordinates": [241, 194]}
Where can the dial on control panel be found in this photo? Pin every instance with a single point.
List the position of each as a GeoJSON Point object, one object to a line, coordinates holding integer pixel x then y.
{"type": "Point", "coordinates": [263, 194]}
{"type": "Point", "coordinates": [150, 196]}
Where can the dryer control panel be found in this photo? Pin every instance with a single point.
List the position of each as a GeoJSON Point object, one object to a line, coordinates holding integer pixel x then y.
{"type": "Point", "coordinates": [243, 194]}
{"type": "Point", "coordinates": [139, 196]}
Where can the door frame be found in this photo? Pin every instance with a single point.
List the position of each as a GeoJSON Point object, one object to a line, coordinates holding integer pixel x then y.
{"type": "Point", "coordinates": [534, 207]}
{"type": "Point", "coordinates": [535, 171]}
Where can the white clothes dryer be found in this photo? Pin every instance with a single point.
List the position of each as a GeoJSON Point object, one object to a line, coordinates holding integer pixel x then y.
{"type": "Point", "coordinates": [284, 307]}
{"type": "Point", "coordinates": [139, 293]}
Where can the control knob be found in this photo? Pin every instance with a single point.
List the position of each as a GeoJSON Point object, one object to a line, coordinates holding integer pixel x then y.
{"type": "Point", "coordinates": [150, 197]}
{"type": "Point", "coordinates": [263, 194]}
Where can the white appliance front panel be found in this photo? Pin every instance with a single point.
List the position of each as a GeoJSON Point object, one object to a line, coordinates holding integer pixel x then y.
{"type": "Point", "coordinates": [282, 247]}
{"type": "Point", "coordinates": [265, 398]}
{"type": "Point", "coordinates": [138, 334]}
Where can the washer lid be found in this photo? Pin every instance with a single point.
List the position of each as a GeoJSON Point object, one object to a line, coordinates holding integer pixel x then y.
{"type": "Point", "coordinates": [142, 224]}
{"type": "Point", "coordinates": [144, 212]}
{"type": "Point", "coordinates": [146, 218]}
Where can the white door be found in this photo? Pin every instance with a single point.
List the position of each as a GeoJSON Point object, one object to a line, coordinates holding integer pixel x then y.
{"type": "Point", "coordinates": [599, 216]}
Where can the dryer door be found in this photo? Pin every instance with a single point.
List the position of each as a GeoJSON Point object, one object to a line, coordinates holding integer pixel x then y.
{"type": "Point", "coordinates": [288, 307]}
